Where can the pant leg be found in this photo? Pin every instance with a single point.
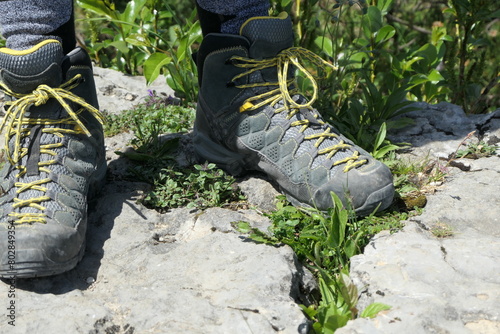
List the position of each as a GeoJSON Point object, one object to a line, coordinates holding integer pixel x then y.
{"type": "Point", "coordinates": [25, 23]}
{"type": "Point", "coordinates": [235, 12]}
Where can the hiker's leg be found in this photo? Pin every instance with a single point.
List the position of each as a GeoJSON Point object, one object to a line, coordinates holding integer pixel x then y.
{"type": "Point", "coordinates": [26, 23]}
{"type": "Point", "coordinates": [226, 16]}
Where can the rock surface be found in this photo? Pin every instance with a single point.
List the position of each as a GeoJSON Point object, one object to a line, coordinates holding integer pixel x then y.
{"type": "Point", "coordinates": [123, 92]}
{"type": "Point", "coordinates": [190, 271]}
{"type": "Point", "coordinates": [440, 285]}
{"type": "Point", "coordinates": [180, 272]}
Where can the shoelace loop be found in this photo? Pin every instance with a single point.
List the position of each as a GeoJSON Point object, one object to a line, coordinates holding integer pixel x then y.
{"type": "Point", "coordinates": [294, 56]}
{"type": "Point", "coordinates": [15, 119]}
{"type": "Point", "coordinates": [282, 61]}
{"type": "Point", "coordinates": [18, 125]}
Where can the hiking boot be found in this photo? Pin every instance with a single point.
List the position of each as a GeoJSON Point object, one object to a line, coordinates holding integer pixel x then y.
{"type": "Point", "coordinates": [55, 160]}
{"type": "Point", "coordinates": [250, 116]}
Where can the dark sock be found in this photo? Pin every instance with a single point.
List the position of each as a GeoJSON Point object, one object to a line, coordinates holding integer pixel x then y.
{"type": "Point", "coordinates": [67, 34]}
{"type": "Point", "coordinates": [211, 22]}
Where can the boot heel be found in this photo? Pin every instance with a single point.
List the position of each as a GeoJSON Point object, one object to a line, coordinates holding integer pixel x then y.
{"type": "Point", "coordinates": [206, 149]}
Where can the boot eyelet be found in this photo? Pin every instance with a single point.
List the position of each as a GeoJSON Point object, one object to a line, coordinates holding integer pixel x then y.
{"type": "Point", "coordinates": [230, 84]}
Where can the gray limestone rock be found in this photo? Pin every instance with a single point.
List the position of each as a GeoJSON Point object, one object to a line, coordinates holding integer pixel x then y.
{"type": "Point", "coordinates": [260, 193]}
{"type": "Point", "coordinates": [438, 130]}
{"type": "Point", "coordinates": [432, 285]}
{"type": "Point", "coordinates": [440, 285]}
{"type": "Point", "coordinates": [117, 91]}
{"type": "Point", "coordinates": [180, 272]}
{"type": "Point", "coordinates": [468, 200]}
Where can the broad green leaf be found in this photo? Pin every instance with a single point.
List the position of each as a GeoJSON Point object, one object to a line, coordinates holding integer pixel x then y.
{"type": "Point", "coordinates": [166, 14]}
{"type": "Point", "coordinates": [176, 86]}
{"type": "Point", "coordinates": [406, 65]}
{"type": "Point", "coordinates": [154, 64]}
{"type": "Point", "coordinates": [451, 11]}
{"type": "Point", "coordinates": [324, 44]}
{"type": "Point", "coordinates": [317, 327]}
{"type": "Point", "coordinates": [138, 40]}
{"type": "Point", "coordinates": [350, 248]}
{"type": "Point", "coordinates": [384, 6]}
{"type": "Point", "coordinates": [309, 311]}
{"type": "Point", "coordinates": [417, 79]}
{"type": "Point", "coordinates": [372, 21]}
{"type": "Point", "coordinates": [348, 290]}
{"type": "Point", "coordinates": [242, 226]}
{"type": "Point", "coordinates": [435, 76]}
{"type": "Point", "coordinates": [382, 132]}
{"type": "Point", "coordinates": [133, 10]}
{"type": "Point", "coordinates": [385, 33]}
{"type": "Point", "coordinates": [335, 322]}
{"type": "Point", "coordinates": [372, 310]}
{"type": "Point", "coordinates": [108, 31]}
{"type": "Point", "coordinates": [147, 14]}
{"type": "Point", "coordinates": [194, 33]}
{"type": "Point", "coordinates": [361, 42]}
{"type": "Point", "coordinates": [326, 292]}
{"type": "Point", "coordinates": [338, 223]}
{"type": "Point", "coordinates": [384, 150]}
{"type": "Point", "coordinates": [121, 46]}
{"type": "Point", "coordinates": [98, 7]}
{"type": "Point", "coordinates": [427, 52]}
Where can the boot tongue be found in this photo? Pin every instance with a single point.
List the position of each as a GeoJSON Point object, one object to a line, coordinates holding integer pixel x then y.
{"type": "Point", "coordinates": [268, 35]}
{"type": "Point", "coordinates": [24, 71]}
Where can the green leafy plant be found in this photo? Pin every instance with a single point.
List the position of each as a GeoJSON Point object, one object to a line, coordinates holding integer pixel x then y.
{"type": "Point", "coordinates": [476, 150]}
{"type": "Point", "coordinates": [158, 114]}
{"type": "Point", "coordinates": [325, 243]}
{"type": "Point", "coordinates": [442, 230]}
{"type": "Point", "coordinates": [382, 146]}
{"type": "Point", "coordinates": [415, 175]}
{"type": "Point", "coordinates": [199, 187]}
{"type": "Point", "coordinates": [352, 97]}
{"type": "Point", "coordinates": [145, 38]}
{"type": "Point", "coordinates": [122, 32]}
{"type": "Point", "coordinates": [153, 157]}
{"type": "Point", "coordinates": [338, 305]}
{"type": "Point", "coordinates": [466, 56]}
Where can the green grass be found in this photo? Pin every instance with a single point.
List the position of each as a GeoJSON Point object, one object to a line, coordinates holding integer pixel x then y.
{"type": "Point", "coordinates": [442, 230]}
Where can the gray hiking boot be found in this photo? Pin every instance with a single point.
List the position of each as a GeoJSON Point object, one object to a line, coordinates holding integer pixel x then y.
{"type": "Point", "coordinates": [55, 160]}
{"type": "Point", "coordinates": [251, 117]}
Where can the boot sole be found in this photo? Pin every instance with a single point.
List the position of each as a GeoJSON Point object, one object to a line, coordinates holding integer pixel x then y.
{"type": "Point", "coordinates": [26, 269]}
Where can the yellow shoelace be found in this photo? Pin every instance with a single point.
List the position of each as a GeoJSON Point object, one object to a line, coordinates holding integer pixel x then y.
{"type": "Point", "coordinates": [292, 56]}
{"type": "Point", "coordinates": [19, 126]}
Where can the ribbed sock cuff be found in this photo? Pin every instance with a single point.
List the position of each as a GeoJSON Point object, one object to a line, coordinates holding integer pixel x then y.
{"type": "Point", "coordinates": [222, 16]}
